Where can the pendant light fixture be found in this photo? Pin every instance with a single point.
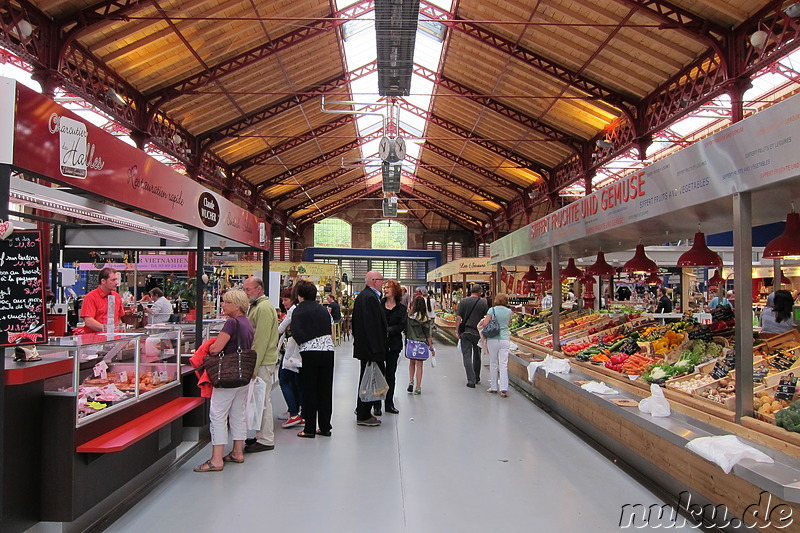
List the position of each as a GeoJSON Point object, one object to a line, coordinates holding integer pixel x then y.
{"type": "Point", "coordinates": [547, 273]}
{"type": "Point", "coordinates": [716, 280]}
{"type": "Point", "coordinates": [787, 244]}
{"type": "Point", "coordinates": [640, 263]}
{"type": "Point", "coordinates": [570, 271]}
{"type": "Point", "coordinates": [784, 279]}
{"type": "Point", "coordinates": [600, 268]}
{"type": "Point", "coordinates": [531, 274]}
{"type": "Point", "coordinates": [654, 279]}
{"type": "Point", "coordinates": [699, 255]}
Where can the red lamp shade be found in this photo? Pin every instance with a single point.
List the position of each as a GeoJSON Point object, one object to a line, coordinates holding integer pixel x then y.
{"type": "Point", "coordinates": [654, 279]}
{"type": "Point", "coordinates": [570, 271]}
{"type": "Point", "coordinates": [699, 255]}
{"type": "Point", "coordinates": [640, 262]}
{"type": "Point", "coordinates": [531, 274]}
{"type": "Point", "coordinates": [547, 273]}
{"type": "Point", "coordinates": [787, 244]}
{"type": "Point", "coordinates": [716, 280]}
{"type": "Point", "coordinates": [785, 280]}
{"type": "Point", "coordinates": [600, 267]}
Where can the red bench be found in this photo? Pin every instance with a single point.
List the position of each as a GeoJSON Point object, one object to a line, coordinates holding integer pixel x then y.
{"type": "Point", "coordinates": [132, 432]}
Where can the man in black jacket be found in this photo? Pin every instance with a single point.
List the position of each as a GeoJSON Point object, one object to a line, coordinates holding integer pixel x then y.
{"type": "Point", "coordinates": [369, 338]}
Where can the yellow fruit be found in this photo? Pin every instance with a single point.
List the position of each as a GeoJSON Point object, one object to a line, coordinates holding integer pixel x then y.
{"type": "Point", "coordinates": [776, 405]}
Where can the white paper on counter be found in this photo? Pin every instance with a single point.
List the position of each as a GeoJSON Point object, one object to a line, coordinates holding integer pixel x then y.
{"type": "Point", "coordinates": [598, 387]}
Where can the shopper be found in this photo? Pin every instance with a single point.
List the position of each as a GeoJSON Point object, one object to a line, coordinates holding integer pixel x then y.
{"type": "Point", "coordinates": [102, 308]}
{"type": "Point", "coordinates": [228, 405]}
{"type": "Point", "coordinates": [547, 301]}
{"type": "Point", "coordinates": [265, 342]}
{"type": "Point", "coordinates": [289, 378]}
{"type": "Point", "coordinates": [778, 318]}
{"type": "Point", "coordinates": [161, 309]}
{"type": "Point", "coordinates": [469, 313]}
{"type": "Point", "coordinates": [312, 329]}
{"type": "Point", "coordinates": [664, 303]}
{"type": "Point", "coordinates": [369, 338]}
{"type": "Point", "coordinates": [334, 308]}
{"type": "Point", "coordinates": [418, 329]}
{"type": "Point", "coordinates": [498, 346]}
{"type": "Point", "coordinates": [396, 315]}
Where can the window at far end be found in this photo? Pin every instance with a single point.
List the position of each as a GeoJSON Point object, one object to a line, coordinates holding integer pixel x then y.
{"type": "Point", "coordinates": [389, 235]}
{"type": "Point", "coordinates": [333, 233]}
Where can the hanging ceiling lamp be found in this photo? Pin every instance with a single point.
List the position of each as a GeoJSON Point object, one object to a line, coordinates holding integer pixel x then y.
{"type": "Point", "coordinates": [640, 263]}
{"type": "Point", "coordinates": [531, 274]}
{"type": "Point", "coordinates": [654, 279]}
{"type": "Point", "coordinates": [787, 244]}
{"type": "Point", "coordinates": [784, 279]}
{"type": "Point", "coordinates": [700, 255]}
{"type": "Point", "coordinates": [716, 280]}
{"type": "Point", "coordinates": [570, 271]}
{"type": "Point", "coordinates": [600, 268]}
{"type": "Point", "coordinates": [547, 273]}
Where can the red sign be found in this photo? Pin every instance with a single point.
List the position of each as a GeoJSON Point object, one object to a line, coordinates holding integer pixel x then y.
{"type": "Point", "coordinates": [59, 145]}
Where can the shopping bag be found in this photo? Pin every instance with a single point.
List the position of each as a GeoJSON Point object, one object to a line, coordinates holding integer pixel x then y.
{"type": "Point", "coordinates": [373, 386]}
{"type": "Point", "coordinates": [292, 360]}
{"type": "Point", "coordinates": [254, 406]}
{"type": "Point", "coordinates": [433, 358]}
{"type": "Point", "coordinates": [417, 350]}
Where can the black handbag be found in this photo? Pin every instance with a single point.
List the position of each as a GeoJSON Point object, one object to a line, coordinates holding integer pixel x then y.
{"type": "Point", "coordinates": [234, 369]}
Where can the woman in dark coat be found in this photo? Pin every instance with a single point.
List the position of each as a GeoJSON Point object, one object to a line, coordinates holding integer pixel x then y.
{"type": "Point", "coordinates": [396, 324]}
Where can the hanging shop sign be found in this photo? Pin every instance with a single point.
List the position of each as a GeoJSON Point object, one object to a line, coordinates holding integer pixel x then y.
{"type": "Point", "coordinates": [22, 310]}
{"type": "Point", "coordinates": [146, 262]}
{"type": "Point", "coordinates": [59, 145]}
{"type": "Point", "coordinates": [461, 266]}
{"type": "Point", "coordinates": [748, 155]}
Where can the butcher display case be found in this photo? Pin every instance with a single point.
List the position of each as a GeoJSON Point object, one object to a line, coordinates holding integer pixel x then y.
{"type": "Point", "coordinates": [110, 372]}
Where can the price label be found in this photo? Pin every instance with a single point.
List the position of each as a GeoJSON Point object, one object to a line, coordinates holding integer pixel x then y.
{"type": "Point", "coordinates": [759, 374]}
{"type": "Point", "coordinates": [163, 376]}
{"type": "Point", "coordinates": [730, 359]}
{"type": "Point", "coordinates": [123, 377]}
{"type": "Point", "coordinates": [101, 370]}
{"type": "Point", "coordinates": [720, 370]}
{"type": "Point", "coordinates": [786, 388]}
{"type": "Point", "coordinates": [782, 362]}
{"type": "Point", "coordinates": [155, 379]}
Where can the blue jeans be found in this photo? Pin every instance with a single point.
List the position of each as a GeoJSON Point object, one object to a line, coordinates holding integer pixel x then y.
{"type": "Point", "coordinates": [292, 390]}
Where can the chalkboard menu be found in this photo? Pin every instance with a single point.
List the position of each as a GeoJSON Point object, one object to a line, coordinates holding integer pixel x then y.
{"type": "Point", "coordinates": [22, 312]}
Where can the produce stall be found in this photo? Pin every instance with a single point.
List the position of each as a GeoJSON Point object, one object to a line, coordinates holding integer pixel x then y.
{"type": "Point", "coordinates": [713, 375]}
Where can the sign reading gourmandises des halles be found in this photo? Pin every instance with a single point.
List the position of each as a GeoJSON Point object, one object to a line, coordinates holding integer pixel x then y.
{"type": "Point", "coordinates": [57, 144]}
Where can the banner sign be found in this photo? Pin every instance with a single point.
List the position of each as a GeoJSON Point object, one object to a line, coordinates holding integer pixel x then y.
{"type": "Point", "coordinates": [55, 143]}
{"type": "Point", "coordinates": [146, 262]}
{"type": "Point", "coordinates": [464, 265]}
{"type": "Point", "coordinates": [748, 155]}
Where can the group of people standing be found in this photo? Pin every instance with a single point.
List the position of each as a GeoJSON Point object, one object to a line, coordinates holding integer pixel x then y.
{"type": "Point", "coordinates": [380, 319]}
{"type": "Point", "coordinates": [472, 316]}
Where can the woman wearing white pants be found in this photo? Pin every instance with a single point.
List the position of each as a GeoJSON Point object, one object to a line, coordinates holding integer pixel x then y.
{"type": "Point", "coordinates": [498, 346]}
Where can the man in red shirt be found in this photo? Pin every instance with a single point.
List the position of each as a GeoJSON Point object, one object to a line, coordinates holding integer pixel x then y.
{"type": "Point", "coordinates": [102, 307]}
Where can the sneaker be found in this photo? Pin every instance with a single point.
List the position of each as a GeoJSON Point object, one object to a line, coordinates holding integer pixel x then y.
{"type": "Point", "coordinates": [292, 421]}
{"type": "Point", "coordinates": [417, 392]}
{"type": "Point", "coordinates": [410, 386]}
{"type": "Point", "coordinates": [371, 422]}
{"type": "Point", "coordinates": [284, 416]}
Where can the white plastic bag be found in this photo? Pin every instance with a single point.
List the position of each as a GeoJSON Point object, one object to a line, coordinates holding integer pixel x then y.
{"type": "Point", "coordinates": [254, 406]}
{"type": "Point", "coordinates": [373, 386]}
{"type": "Point", "coordinates": [432, 358]}
{"type": "Point", "coordinates": [291, 356]}
{"type": "Point", "coordinates": [656, 404]}
{"type": "Point", "coordinates": [598, 387]}
{"type": "Point", "coordinates": [726, 451]}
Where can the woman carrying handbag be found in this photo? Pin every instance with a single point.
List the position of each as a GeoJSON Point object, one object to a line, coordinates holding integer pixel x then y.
{"type": "Point", "coordinates": [498, 344]}
{"type": "Point", "coordinates": [228, 404]}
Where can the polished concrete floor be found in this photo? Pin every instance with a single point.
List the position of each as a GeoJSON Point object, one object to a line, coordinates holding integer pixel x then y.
{"type": "Point", "coordinates": [454, 459]}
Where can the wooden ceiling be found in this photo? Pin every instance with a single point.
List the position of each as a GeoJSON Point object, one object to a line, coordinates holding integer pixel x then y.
{"type": "Point", "coordinates": [232, 89]}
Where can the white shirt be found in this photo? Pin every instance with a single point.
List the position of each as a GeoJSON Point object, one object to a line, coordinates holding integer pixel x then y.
{"type": "Point", "coordinates": [162, 310]}
{"type": "Point", "coordinates": [547, 302]}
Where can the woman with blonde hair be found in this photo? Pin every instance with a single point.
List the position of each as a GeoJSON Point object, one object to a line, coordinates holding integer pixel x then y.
{"type": "Point", "coordinates": [228, 404]}
{"type": "Point", "coordinates": [498, 346]}
{"type": "Point", "coordinates": [418, 329]}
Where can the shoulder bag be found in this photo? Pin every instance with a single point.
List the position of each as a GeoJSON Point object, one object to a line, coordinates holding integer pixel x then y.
{"type": "Point", "coordinates": [417, 350]}
{"type": "Point", "coordinates": [462, 326]}
{"type": "Point", "coordinates": [492, 329]}
{"type": "Point", "coordinates": [236, 369]}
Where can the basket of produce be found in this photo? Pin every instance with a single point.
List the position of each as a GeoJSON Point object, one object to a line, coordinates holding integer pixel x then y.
{"type": "Point", "coordinates": [688, 384]}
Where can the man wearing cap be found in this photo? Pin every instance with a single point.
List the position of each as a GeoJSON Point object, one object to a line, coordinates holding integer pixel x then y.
{"type": "Point", "coordinates": [470, 311]}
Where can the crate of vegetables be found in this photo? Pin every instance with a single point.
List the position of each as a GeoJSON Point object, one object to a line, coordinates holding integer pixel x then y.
{"type": "Point", "coordinates": [689, 383]}
{"type": "Point", "coordinates": [766, 405]}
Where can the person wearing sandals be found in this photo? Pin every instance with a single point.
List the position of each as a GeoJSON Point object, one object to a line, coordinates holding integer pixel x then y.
{"type": "Point", "coordinates": [418, 328]}
{"type": "Point", "coordinates": [312, 329]}
{"type": "Point", "coordinates": [228, 405]}
{"type": "Point", "coordinates": [498, 347]}
{"type": "Point", "coordinates": [396, 315]}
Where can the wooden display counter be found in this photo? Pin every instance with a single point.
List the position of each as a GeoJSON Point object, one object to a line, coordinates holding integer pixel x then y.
{"type": "Point", "coordinates": [655, 447]}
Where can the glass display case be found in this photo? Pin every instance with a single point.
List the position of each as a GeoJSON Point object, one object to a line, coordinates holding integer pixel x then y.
{"type": "Point", "coordinates": [111, 372]}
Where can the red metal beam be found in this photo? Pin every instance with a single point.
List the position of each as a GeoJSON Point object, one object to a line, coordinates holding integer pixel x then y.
{"type": "Point", "coordinates": [581, 83]}
{"type": "Point", "coordinates": [439, 207]}
{"type": "Point", "coordinates": [549, 132]}
{"type": "Point", "coordinates": [481, 191]}
{"type": "Point", "coordinates": [447, 194]}
{"type": "Point", "coordinates": [336, 174]}
{"type": "Point", "coordinates": [358, 182]}
{"type": "Point", "coordinates": [306, 31]}
{"type": "Point", "coordinates": [338, 205]}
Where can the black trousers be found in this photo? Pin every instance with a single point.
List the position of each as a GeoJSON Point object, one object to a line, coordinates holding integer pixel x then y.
{"type": "Point", "coordinates": [364, 409]}
{"type": "Point", "coordinates": [391, 370]}
{"type": "Point", "coordinates": [317, 378]}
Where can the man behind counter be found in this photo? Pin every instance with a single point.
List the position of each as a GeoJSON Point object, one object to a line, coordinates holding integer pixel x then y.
{"type": "Point", "coordinates": [102, 307]}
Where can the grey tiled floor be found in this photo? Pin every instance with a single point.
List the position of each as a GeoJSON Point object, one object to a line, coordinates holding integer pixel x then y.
{"type": "Point", "coordinates": [454, 459]}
